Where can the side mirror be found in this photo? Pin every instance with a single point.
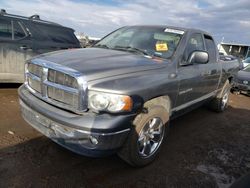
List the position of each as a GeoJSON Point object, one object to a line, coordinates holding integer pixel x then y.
{"type": "Point", "coordinates": [198, 57]}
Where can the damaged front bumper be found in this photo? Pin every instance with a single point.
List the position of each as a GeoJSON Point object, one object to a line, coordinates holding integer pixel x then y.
{"type": "Point", "coordinates": [244, 88]}
{"type": "Point", "coordinates": [89, 134]}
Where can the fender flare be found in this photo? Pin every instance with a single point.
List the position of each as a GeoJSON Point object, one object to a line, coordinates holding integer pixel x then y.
{"type": "Point", "coordinates": [223, 89]}
{"type": "Point", "coordinates": [163, 101]}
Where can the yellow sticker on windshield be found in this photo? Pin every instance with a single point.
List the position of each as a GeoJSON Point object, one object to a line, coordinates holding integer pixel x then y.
{"type": "Point", "coordinates": [161, 47]}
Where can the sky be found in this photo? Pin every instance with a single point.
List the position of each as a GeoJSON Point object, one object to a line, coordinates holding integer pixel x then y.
{"type": "Point", "coordinates": [227, 20]}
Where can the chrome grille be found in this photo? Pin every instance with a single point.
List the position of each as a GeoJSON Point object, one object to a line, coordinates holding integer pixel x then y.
{"type": "Point", "coordinates": [35, 70]}
{"type": "Point", "coordinates": [35, 84]}
{"type": "Point", "coordinates": [55, 84]}
{"type": "Point", "coordinates": [63, 96]}
{"type": "Point", "coordinates": [61, 78]}
{"type": "Point", "coordinates": [244, 82]}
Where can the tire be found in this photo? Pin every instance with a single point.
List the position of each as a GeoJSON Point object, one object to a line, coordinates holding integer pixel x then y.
{"type": "Point", "coordinates": [141, 147]}
{"type": "Point", "coordinates": [235, 91]}
{"type": "Point", "coordinates": [220, 103]}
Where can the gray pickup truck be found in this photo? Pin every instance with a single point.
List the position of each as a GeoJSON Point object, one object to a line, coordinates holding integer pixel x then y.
{"type": "Point", "coordinates": [119, 95]}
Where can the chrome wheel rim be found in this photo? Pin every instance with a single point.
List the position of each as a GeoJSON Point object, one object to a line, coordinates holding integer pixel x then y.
{"type": "Point", "coordinates": [225, 99]}
{"type": "Point", "coordinates": [150, 137]}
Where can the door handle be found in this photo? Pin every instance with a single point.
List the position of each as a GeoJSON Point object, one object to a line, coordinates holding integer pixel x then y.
{"type": "Point", "coordinates": [25, 48]}
{"type": "Point", "coordinates": [172, 75]}
{"type": "Point", "coordinates": [206, 73]}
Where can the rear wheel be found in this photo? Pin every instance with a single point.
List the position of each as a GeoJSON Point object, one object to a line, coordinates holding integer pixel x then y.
{"type": "Point", "coordinates": [235, 91]}
{"type": "Point", "coordinates": [220, 103]}
{"type": "Point", "coordinates": [146, 138]}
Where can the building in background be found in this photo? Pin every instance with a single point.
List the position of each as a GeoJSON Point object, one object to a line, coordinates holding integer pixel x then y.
{"type": "Point", "coordinates": [238, 50]}
{"type": "Point", "coordinates": [85, 40]}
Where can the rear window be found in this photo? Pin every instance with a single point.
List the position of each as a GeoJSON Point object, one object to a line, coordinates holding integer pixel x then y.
{"type": "Point", "coordinates": [58, 34]}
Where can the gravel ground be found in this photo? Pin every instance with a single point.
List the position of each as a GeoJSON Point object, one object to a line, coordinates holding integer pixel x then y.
{"type": "Point", "coordinates": [204, 149]}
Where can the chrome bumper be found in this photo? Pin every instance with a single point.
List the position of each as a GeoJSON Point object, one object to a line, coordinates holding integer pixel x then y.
{"type": "Point", "coordinates": [79, 141]}
{"type": "Point", "coordinates": [241, 87]}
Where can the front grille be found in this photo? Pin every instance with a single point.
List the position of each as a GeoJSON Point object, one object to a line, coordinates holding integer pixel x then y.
{"type": "Point", "coordinates": [35, 70]}
{"type": "Point", "coordinates": [56, 84]}
{"type": "Point", "coordinates": [244, 82]}
{"type": "Point", "coordinates": [63, 96]}
{"type": "Point", "coordinates": [61, 78]}
{"type": "Point", "coordinates": [35, 84]}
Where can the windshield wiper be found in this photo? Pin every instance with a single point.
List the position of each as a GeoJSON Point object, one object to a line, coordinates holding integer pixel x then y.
{"type": "Point", "coordinates": [132, 49]}
{"type": "Point", "coordinates": [102, 46]}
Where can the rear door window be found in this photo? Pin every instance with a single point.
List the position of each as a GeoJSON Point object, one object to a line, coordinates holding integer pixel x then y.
{"type": "Point", "coordinates": [5, 29]}
{"type": "Point", "coordinates": [211, 48]}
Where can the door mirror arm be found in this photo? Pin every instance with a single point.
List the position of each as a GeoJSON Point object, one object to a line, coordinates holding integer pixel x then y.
{"type": "Point", "coordinates": [183, 61]}
{"type": "Point", "coordinates": [198, 57]}
{"type": "Point", "coordinates": [195, 57]}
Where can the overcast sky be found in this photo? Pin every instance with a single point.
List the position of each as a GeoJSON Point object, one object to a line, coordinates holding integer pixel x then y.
{"type": "Point", "coordinates": [226, 18]}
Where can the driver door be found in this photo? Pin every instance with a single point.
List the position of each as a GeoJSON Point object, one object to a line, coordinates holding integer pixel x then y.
{"type": "Point", "coordinates": [191, 85]}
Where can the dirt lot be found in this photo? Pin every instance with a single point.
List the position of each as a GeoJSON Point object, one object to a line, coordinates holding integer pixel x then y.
{"type": "Point", "coordinates": [204, 149]}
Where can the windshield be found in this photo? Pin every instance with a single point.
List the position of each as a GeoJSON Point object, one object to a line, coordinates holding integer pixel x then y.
{"type": "Point", "coordinates": [152, 41]}
{"type": "Point", "coordinates": [247, 60]}
{"type": "Point", "coordinates": [247, 69]}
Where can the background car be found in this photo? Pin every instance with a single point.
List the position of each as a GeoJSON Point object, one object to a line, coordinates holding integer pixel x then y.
{"type": "Point", "coordinates": [229, 58]}
{"type": "Point", "coordinates": [246, 62]}
{"type": "Point", "coordinates": [24, 37]}
{"type": "Point", "coordinates": [241, 82]}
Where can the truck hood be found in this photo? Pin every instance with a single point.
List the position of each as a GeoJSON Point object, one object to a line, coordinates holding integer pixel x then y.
{"type": "Point", "coordinates": [96, 63]}
{"type": "Point", "coordinates": [243, 75]}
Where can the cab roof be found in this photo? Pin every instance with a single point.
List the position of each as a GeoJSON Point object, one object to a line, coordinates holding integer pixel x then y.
{"type": "Point", "coordinates": [34, 18]}
{"type": "Point", "coordinates": [191, 30]}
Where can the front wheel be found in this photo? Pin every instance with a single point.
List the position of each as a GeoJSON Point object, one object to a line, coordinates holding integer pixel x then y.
{"type": "Point", "coordinates": [146, 137]}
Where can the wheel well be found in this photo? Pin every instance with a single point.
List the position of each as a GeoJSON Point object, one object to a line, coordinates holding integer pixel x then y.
{"type": "Point", "coordinates": [230, 79]}
{"type": "Point", "coordinates": [163, 101]}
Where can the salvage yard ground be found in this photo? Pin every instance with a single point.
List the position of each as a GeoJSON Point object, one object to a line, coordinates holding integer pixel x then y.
{"type": "Point", "coordinates": [204, 149]}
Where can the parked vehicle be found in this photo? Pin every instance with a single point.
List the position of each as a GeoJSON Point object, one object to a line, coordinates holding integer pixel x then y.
{"type": "Point", "coordinates": [241, 82]}
{"type": "Point", "coordinates": [120, 95]}
{"type": "Point", "coordinates": [242, 182]}
{"type": "Point", "coordinates": [230, 58]}
{"type": "Point", "coordinates": [24, 37]}
{"type": "Point", "coordinates": [246, 62]}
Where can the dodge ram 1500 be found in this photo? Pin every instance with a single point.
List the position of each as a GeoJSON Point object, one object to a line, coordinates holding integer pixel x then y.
{"type": "Point", "coordinates": [119, 95]}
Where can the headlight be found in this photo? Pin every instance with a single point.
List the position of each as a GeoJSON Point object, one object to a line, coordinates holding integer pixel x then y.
{"type": "Point", "coordinates": [100, 101]}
